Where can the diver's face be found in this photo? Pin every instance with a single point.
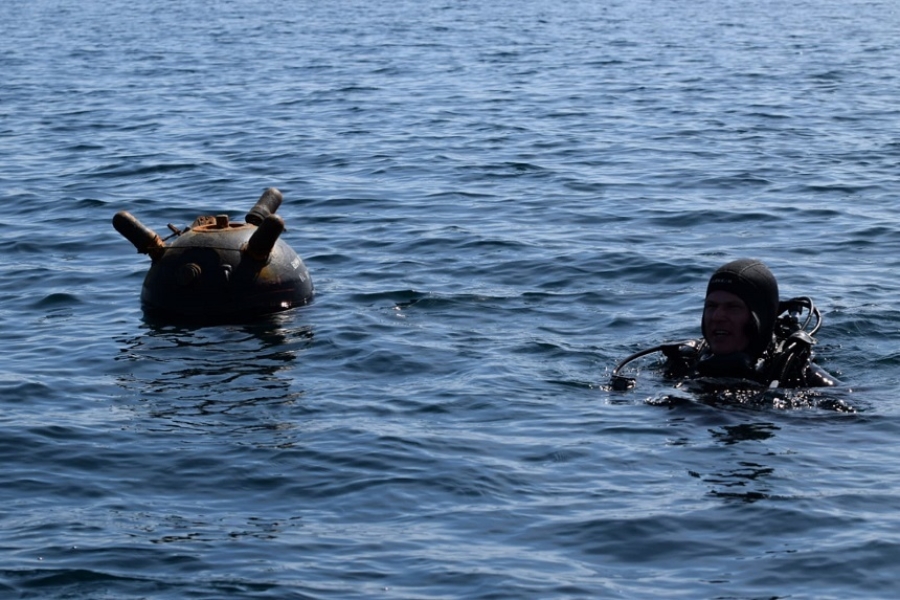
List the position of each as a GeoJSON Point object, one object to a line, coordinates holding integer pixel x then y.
{"type": "Point", "coordinates": [725, 320]}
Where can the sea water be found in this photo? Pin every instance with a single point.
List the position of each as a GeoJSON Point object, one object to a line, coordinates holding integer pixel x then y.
{"type": "Point", "coordinates": [497, 202]}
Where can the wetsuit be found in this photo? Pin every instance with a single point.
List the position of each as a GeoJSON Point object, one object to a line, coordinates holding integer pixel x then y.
{"type": "Point", "coordinates": [785, 365]}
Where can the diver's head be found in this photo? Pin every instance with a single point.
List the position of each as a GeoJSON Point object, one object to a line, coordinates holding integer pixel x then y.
{"type": "Point", "coordinates": [740, 309]}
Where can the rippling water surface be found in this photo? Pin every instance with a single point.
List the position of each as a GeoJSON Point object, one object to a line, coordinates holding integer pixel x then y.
{"type": "Point", "coordinates": [497, 202]}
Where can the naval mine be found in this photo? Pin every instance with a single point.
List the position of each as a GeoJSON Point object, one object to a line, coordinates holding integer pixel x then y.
{"type": "Point", "coordinates": [218, 270]}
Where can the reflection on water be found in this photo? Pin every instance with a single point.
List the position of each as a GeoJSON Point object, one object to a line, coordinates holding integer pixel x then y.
{"type": "Point", "coordinates": [731, 450]}
{"type": "Point", "coordinates": [733, 484]}
{"type": "Point", "coordinates": [214, 376]}
{"type": "Point", "coordinates": [746, 479]}
{"type": "Point", "coordinates": [733, 434]}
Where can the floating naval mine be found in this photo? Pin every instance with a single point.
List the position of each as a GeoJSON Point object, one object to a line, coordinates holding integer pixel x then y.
{"type": "Point", "coordinates": [216, 270]}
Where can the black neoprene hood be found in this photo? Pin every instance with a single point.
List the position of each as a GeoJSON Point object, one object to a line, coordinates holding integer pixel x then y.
{"type": "Point", "coordinates": [753, 282]}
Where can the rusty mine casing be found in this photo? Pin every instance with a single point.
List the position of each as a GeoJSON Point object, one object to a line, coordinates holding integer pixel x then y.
{"type": "Point", "coordinates": [220, 271]}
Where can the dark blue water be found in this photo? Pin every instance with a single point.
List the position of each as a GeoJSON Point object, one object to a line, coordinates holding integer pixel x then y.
{"type": "Point", "coordinates": [497, 202]}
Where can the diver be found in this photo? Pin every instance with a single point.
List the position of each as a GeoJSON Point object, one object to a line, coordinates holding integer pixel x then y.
{"type": "Point", "coordinates": [749, 334]}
